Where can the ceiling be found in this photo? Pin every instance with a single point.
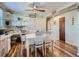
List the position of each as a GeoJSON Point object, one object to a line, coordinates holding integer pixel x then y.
{"type": "Point", "coordinates": [48, 6]}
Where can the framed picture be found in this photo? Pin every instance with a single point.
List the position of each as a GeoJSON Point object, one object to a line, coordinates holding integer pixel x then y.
{"type": "Point", "coordinates": [73, 20]}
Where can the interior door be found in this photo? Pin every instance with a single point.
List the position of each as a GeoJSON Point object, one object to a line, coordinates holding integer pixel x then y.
{"type": "Point", "coordinates": [62, 29]}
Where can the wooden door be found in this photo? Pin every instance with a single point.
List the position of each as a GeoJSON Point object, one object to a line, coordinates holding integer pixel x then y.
{"type": "Point", "coordinates": [62, 29]}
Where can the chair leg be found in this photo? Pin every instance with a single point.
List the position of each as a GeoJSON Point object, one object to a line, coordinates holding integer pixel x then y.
{"type": "Point", "coordinates": [42, 51]}
{"type": "Point", "coordinates": [45, 50]}
{"type": "Point", "coordinates": [30, 51]}
{"type": "Point", "coordinates": [35, 52]}
{"type": "Point", "coordinates": [52, 48]}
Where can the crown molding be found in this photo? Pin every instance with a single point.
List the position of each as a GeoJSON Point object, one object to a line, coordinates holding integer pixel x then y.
{"type": "Point", "coordinates": [5, 9]}
{"type": "Point", "coordinates": [68, 9]}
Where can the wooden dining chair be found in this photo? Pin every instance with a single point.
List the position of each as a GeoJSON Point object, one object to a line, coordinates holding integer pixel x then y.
{"type": "Point", "coordinates": [39, 49]}
{"type": "Point", "coordinates": [48, 47]}
{"type": "Point", "coordinates": [32, 50]}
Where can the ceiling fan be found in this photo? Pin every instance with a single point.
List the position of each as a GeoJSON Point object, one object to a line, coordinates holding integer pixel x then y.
{"type": "Point", "coordinates": [35, 8]}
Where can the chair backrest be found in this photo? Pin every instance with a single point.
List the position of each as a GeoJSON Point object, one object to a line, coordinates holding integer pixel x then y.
{"type": "Point", "coordinates": [31, 40]}
{"type": "Point", "coordinates": [39, 40]}
{"type": "Point", "coordinates": [23, 37]}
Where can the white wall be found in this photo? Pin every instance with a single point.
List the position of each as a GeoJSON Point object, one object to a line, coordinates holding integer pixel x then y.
{"type": "Point", "coordinates": [55, 28]}
{"type": "Point", "coordinates": [41, 24]}
{"type": "Point", "coordinates": [31, 23]}
{"type": "Point", "coordinates": [78, 33]}
{"type": "Point", "coordinates": [71, 35]}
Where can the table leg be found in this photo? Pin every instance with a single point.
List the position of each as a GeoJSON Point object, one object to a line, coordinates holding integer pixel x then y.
{"type": "Point", "coordinates": [27, 47]}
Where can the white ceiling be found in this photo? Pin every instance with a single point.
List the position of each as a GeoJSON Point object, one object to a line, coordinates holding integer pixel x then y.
{"type": "Point", "coordinates": [48, 6]}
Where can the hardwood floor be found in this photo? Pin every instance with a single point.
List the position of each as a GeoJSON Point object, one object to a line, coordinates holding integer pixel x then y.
{"type": "Point", "coordinates": [66, 48]}
{"type": "Point", "coordinates": [60, 50]}
{"type": "Point", "coordinates": [15, 51]}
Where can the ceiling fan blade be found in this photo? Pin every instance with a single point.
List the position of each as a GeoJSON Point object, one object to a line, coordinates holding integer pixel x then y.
{"type": "Point", "coordinates": [28, 10]}
{"type": "Point", "coordinates": [40, 10]}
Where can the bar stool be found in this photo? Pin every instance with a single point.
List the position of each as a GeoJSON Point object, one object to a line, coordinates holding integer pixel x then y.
{"type": "Point", "coordinates": [49, 45]}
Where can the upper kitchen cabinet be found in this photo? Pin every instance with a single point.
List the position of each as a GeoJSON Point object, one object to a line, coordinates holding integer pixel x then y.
{"type": "Point", "coordinates": [7, 16]}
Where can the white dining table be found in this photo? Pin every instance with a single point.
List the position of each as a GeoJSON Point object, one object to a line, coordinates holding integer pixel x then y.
{"type": "Point", "coordinates": [33, 38]}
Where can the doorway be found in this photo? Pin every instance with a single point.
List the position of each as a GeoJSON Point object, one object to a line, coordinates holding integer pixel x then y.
{"type": "Point", "coordinates": [47, 23]}
{"type": "Point", "coordinates": [62, 29]}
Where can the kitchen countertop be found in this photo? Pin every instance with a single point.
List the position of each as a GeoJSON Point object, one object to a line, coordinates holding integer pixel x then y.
{"type": "Point", "coordinates": [8, 35]}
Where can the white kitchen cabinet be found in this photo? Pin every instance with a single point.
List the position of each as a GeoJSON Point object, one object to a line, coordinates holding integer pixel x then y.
{"type": "Point", "coordinates": [4, 45]}
{"type": "Point", "coordinates": [7, 15]}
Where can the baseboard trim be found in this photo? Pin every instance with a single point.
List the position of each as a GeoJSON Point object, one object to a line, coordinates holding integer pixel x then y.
{"type": "Point", "coordinates": [71, 44]}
